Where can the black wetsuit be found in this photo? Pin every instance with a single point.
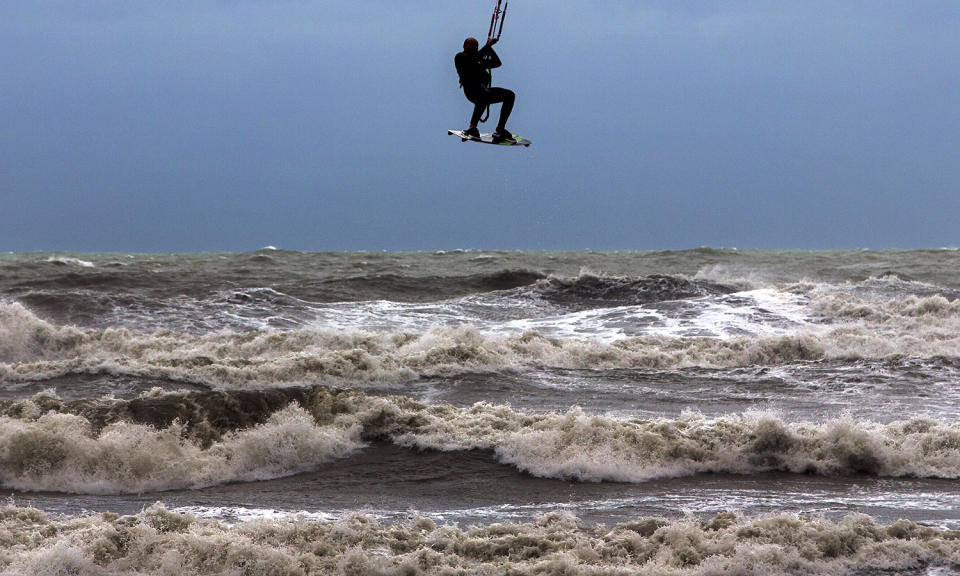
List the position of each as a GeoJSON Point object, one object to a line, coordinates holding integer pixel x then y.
{"type": "Point", "coordinates": [474, 70]}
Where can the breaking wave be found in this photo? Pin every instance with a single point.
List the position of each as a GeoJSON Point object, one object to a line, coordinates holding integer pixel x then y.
{"type": "Point", "coordinates": [61, 452]}
{"type": "Point", "coordinates": [161, 541]}
{"type": "Point", "coordinates": [842, 326]}
{"type": "Point", "coordinates": [186, 440]}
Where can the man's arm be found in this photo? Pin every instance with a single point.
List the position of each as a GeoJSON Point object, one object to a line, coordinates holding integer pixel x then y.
{"type": "Point", "coordinates": [489, 58]}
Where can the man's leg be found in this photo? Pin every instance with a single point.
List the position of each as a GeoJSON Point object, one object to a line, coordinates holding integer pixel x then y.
{"type": "Point", "coordinates": [478, 110]}
{"type": "Point", "coordinates": [507, 97]}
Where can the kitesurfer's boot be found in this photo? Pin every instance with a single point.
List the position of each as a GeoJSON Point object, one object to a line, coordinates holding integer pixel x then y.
{"type": "Point", "coordinates": [472, 132]}
{"type": "Point", "coordinates": [501, 134]}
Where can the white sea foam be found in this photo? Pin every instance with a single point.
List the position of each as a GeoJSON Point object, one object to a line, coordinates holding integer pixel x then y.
{"type": "Point", "coordinates": [936, 508]}
{"type": "Point", "coordinates": [247, 514]}
{"type": "Point", "coordinates": [159, 541]}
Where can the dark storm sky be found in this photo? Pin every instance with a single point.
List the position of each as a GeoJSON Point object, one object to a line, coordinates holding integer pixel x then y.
{"type": "Point", "coordinates": [215, 125]}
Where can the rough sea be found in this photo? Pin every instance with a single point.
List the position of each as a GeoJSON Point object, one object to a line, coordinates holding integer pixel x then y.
{"type": "Point", "coordinates": [664, 413]}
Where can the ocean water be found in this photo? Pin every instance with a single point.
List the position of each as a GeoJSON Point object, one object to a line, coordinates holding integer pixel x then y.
{"type": "Point", "coordinates": [685, 412]}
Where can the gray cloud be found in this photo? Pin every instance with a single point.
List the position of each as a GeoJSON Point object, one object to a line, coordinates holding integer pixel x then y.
{"type": "Point", "coordinates": [225, 125]}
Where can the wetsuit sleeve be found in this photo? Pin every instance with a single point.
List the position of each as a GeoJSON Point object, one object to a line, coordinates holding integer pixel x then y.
{"type": "Point", "coordinates": [489, 58]}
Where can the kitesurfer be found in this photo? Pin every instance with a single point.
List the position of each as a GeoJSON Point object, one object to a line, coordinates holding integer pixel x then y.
{"type": "Point", "coordinates": [473, 66]}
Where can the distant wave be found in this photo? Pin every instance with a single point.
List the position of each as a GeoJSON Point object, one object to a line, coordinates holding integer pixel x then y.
{"type": "Point", "coordinates": [173, 281]}
{"type": "Point", "coordinates": [145, 299]}
{"type": "Point", "coordinates": [188, 440]}
{"type": "Point", "coordinates": [588, 290]}
{"type": "Point", "coordinates": [93, 299]}
{"type": "Point", "coordinates": [67, 261]}
{"type": "Point", "coordinates": [403, 288]}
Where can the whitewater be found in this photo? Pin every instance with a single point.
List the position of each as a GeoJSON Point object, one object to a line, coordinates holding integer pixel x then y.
{"type": "Point", "coordinates": [682, 412]}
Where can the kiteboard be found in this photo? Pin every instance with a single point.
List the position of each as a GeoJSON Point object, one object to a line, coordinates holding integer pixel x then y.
{"type": "Point", "coordinates": [488, 139]}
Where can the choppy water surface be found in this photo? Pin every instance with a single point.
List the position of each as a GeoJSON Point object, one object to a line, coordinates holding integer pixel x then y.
{"type": "Point", "coordinates": [705, 411]}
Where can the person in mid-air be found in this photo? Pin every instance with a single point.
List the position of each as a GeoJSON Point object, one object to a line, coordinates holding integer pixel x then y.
{"type": "Point", "coordinates": [473, 66]}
